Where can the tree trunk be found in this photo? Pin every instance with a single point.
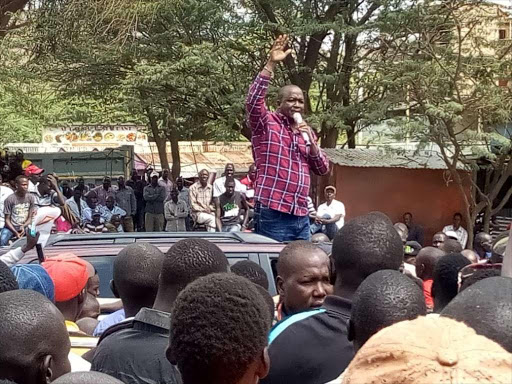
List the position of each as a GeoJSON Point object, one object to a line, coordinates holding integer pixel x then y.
{"type": "Point", "coordinates": [351, 135]}
{"type": "Point", "coordinates": [172, 135]}
{"type": "Point", "coordinates": [161, 143]}
{"type": "Point", "coordinates": [330, 137]}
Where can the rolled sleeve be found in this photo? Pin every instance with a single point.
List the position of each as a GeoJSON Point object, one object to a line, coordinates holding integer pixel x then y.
{"type": "Point", "coordinates": [319, 163]}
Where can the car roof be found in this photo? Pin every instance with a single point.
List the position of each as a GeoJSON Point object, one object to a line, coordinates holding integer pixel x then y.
{"type": "Point", "coordinates": [86, 245]}
{"type": "Point", "coordinates": [132, 237]}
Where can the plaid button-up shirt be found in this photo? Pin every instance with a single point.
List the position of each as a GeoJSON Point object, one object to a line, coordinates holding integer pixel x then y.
{"type": "Point", "coordinates": [201, 198]}
{"type": "Point", "coordinates": [281, 155]}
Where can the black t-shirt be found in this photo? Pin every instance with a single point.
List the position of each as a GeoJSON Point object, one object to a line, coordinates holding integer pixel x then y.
{"type": "Point", "coordinates": [311, 347]}
{"type": "Point", "coordinates": [136, 354]}
{"type": "Point", "coordinates": [230, 208]}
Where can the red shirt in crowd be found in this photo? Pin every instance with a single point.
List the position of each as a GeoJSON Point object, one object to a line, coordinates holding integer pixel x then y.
{"type": "Point", "coordinates": [281, 155]}
{"type": "Point", "coordinates": [427, 292]}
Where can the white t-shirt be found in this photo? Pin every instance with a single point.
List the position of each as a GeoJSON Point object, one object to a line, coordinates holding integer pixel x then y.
{"type": "Point", "coordinates": [5, 192]}
{"type": "Point", "coordinates": [335, 208]}
{"type": "Point", "coordinates": [219, 188]}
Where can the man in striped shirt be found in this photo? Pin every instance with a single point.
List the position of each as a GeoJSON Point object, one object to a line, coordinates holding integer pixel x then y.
{"type": "Point", "coordinates": [285, 151]}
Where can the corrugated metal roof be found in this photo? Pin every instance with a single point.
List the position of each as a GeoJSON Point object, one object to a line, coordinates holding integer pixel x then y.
{"type": "Point", "coordinates": [367, 158]}
{"type": "Point", "coordinates": [212, 161]}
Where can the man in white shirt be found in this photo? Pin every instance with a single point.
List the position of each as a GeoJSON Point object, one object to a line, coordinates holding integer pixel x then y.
{"type": "Point", "coordinates": [330, 216]}
{"type": "Point", "coordinates": [462, 234]}
{"type": "Point", "coordinates": [219, 187]}
{"type": "Point", "coordinates": [5, 192]}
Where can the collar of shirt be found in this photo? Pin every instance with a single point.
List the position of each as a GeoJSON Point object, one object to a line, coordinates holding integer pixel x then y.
{"type": "Point", "coordinates": [338, 304]}
{"type": "Point", "coordinates": [199, 186]}
{"type": "Point", "coordinates": [153, 317]}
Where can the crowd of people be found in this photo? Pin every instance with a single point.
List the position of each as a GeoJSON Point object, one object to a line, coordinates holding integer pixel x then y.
{"type": "Point", "coordinates": [358, 315]}
{"type": "Point", "coordinates": [379, 307]}
{"type": "Point", "coordinates": [151, 203]}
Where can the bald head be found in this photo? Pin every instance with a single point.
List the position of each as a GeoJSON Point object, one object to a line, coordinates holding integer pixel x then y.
{"type": "Point", "coordinates": [291, 100]}
{"type": "Point", "coordinates": [426, 262]}
{"type": "Point", "coordinates": [319, 238]}
{"type": "Point", "coordinates": [483, 244]}
{"type": "Point", "coordinates": [295, 254]}
{"type": "Point", "coordinates": [451, 246]}
{"type": "Point", "coordinates": [34, 342]}
{"type": "Point", "coordinates": [285, 91]}
{"type": "Point", "coordinates": [470, 255]}
{"type": "Point", "coordinates": [303, 279]}
{"type": "Point", "coordinates": [87, 378]}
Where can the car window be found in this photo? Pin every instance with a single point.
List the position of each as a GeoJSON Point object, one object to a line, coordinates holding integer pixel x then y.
{"type": "Point", "coordinates": [105, 267]}
{"type": "Point", "coordinates": [236, 257]}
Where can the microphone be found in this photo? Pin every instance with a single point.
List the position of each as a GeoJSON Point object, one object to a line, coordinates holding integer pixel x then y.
{"type": "Point", "coordinates": [298, 119]}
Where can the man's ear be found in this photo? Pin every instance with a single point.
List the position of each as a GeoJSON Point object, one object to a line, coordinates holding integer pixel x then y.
{"type": "Point", "coordinates": [82, 296]}
{"type": "Point", "coordinates": [351, 331]}
{"type": "Point", "coordinates": [263, 366]}
{"type": "Point", "coordinates": [45, 370]}
{"type": "Point", "coordinates": [280, 286]}
{"type": "Point", "coordinates": [114, 289]}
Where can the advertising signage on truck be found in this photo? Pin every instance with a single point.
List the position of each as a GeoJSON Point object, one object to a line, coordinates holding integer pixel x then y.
{"type": "Point", "coordinates": [77, 135]}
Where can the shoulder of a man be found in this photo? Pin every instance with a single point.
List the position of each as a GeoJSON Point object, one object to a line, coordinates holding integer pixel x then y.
{"type": "Point", "coordinates": [338, 205]}
{"type": "Point", "coordinates": [309, 347]}
{"type": "Point", "coordinates": [30, 198]}
{"type": "Point", "coordinates": [321, 208]}
{"type": "Point", "coordinates": [11, 199]}
{"type": "Point", "coordinates": [111, 343]}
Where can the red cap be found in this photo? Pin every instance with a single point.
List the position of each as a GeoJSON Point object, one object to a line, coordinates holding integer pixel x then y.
{"type": "Point", "coordinates": [33, 169]}
{"type": "Point", "coordinates": [69, 274]}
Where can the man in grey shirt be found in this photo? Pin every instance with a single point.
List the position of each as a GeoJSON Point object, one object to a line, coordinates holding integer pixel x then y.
{"type": "Point", "coordinates": [154, 195]}
{"type": "Point", "coordinates": [125, 199]}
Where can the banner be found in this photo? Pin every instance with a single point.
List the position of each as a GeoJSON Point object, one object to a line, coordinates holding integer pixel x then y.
{"type": "Point", "coordinates": [94, 134]}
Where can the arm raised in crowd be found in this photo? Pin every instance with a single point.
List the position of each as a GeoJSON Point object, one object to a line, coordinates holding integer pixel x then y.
{"type": "Point", "coordinates": [255, 104]}
{"type": "Point", "coordinates": [61, 200]}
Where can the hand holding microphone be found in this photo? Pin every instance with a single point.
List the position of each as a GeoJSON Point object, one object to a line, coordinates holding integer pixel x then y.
{"type": "Point", "coordinates": [298, 119]}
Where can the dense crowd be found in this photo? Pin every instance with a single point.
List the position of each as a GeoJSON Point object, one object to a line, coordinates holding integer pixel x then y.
{"type": "Point", "coordinates": [154, 203]}
{"type": "Point", "coordinates": [375, 305]}
{"type": "Point", "coordinates": [368, 312]}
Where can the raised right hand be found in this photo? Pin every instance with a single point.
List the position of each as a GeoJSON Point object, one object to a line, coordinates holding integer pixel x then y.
{"type": "Point", "coordinates": [279, 52]}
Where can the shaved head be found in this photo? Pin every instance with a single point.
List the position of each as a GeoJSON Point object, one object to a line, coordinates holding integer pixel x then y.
{"type": "Point", "coordinates": [294, 253]}
{"type": "Point", "coordinates": [87, 378]}
{"type": "Point", "coordinates": [470, 255]}
{"type": "Point", "coordinates": [286, 90]}
{"type": "Point", "coordinates": [426, 262]}
{"type": "Point", "coordinates": [303, 279]}
{"type": "Point", "coordinates": [32, 330]}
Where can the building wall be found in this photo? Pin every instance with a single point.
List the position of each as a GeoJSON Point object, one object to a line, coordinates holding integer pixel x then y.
{"type": "Point", "coordinates": [394, 191]}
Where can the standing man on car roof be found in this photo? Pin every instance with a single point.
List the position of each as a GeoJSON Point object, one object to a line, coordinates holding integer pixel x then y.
{"type": "Point", "coordinates": [285, 150]}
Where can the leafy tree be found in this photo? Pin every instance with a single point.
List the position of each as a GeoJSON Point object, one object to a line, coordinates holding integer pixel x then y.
{"type": "Point", "coordinates": [446, 70]}
{"type": "Point", "coordinates": [175, 66]}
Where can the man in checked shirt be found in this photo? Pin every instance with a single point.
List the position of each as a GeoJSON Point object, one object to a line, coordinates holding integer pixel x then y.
{"type": "Point", "coordinates": [282, 154]}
